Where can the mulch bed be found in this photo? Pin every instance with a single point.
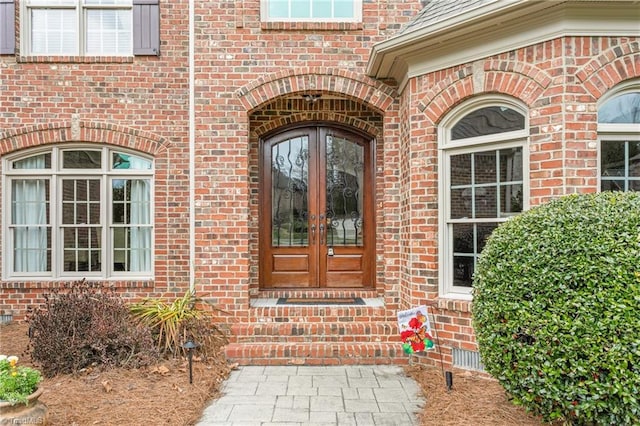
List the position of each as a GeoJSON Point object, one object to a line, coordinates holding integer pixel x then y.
{"type": "Point", "coordinates": [161, 394]}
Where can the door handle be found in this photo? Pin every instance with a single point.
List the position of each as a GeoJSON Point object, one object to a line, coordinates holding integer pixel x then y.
{"type": "Point", "coordinates": [321, 233]}
{"type": "Point", "coordinates": [313, 233]}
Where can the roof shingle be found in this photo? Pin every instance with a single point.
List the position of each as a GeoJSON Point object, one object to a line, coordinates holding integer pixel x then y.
{"type": "Point", "coordinates": [440, 10]}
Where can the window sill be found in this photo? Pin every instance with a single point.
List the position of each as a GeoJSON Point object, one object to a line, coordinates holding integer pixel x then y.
{"type": "Point", "coordinates": [76, 59]}
{"type": "Point", "coordinates": [311, 26]}
{"type": "Point", "coordinates": [34, 283]}
{"type": "Point", "coordinates": [455, 302]}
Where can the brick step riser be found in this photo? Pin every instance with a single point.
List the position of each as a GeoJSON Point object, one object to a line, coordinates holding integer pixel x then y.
{"type": "Point", "coordinates": [291, 330]}
{"type": "Point", "coordinates": [316, 353]}
{"type": "Point", "coordinates": [317, 294]}
{"type": "Point", "coordinates": [314, 338]}
{"type": "Point", "coordinates": [321, 313]}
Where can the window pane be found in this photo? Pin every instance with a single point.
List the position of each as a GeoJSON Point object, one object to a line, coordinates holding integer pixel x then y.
{"type": "Point", "coordinates": [278, 8]}
{"type": "Point", "coordinates": [140, 211]}
{"type": "Point", "coordinates": [82, 159]}
{"type": "Point", "coordinates": [41, 161]}
{"type": "Point", "coordinates": [301, 9]}
{"type": "Point", "coordinates": [612, 158]}
{"type": "Point", "coordinates": [53, 31]}
{"type": "Point", "coordinates": [30, 201]}
{"type": "Point", "coordinates": [81, 201]}
{"type": "Point", "coordinates": [130, 162]}
{"type": "Point", "coordinates": [634, 185]}
{"type": "Point", "coordinates": [308, 9]}
{"type": "Point", "coordinates": [463, 267]}
{"type": "Point", "coordinates": [463, 238]}
{"type": "Point", "coordinates": [108, 32]}
{"type": "Point", "coordinates": [30, 225]}
{"type": "Point", "coordinates": [107, 2]}
{"type": "Point", "coordinates": [612, 185]}
{"type": "Point", "coordinates": [82, 249]}
{"type": "Point", "coordinates": [343, 9]}
{"type": "Point", "coordinates": [621, 109]}
{"type": "Point", "coordinates": [486, 204]}
{"type": "Point", "coordinates": [510, 199]}
{"type": "Point", "coordinates": [131, 206]}
{"type": "Point", "coordinates": [484, 231]}
{"type": "Point", "coordinates": [460, 200]}
{"type": "Point", "coordinates": [322, 9]}
{"type": "Point", "coordinates": [510, 164]}
{"type": "Point", "coordinates": [289, 192]}
{"type": "Point", "coordinates": [485, 167]}
{"type": "Point", "coordinates": [488, 121]}
{"type": "Point", "coordinates": [461, 169]}
{"type": "Point", "coordinates": [634, 158]}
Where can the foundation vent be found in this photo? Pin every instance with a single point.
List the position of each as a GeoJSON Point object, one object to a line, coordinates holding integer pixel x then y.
{"type": "Point", "coordinates": [468, 360]}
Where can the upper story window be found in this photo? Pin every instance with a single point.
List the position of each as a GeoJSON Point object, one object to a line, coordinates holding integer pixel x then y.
{"type": "Point", "coordinates": [89, 27]}
{"type": "Point", "coordinates": [311, 10]}
{"type": "Point", "coordinates": [619, 134]}
{"type": "Point", "coordinates": [484, 181]}
{"type": "Point", "coordinates": [80, 211]}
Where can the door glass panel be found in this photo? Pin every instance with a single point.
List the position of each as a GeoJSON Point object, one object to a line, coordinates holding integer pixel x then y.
{"type": "Point", "coordinates": [289, 192]}
{"type": "Point", "coordinates": [345, 182]}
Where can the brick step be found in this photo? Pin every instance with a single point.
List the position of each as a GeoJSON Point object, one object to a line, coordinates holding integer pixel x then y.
{"type": "Point", "coordinates": [315, 294]}
{"type": "Point", "coordinates": [317, 353]}
{"type": "Point", "coordinates": [315, 313]}
{"type": "Point", "coordinates": [298, 332]}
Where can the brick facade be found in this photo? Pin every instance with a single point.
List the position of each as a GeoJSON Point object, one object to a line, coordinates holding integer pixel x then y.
{"type": "Point", "coordinates": [248, 80]}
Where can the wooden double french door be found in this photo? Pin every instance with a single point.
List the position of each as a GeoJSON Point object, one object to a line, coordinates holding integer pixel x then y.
{"type": "Point", "coordinates": [316, 210]}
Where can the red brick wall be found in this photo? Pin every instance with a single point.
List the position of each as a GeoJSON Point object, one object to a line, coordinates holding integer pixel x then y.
{"type": "Point", "coordinates": [560, 81]}
{"type": "Point", "coordinates": [138, 103]}
{"type": "Point", "coordinates": [248, 80]}
{"type": "Point", "coordinates": [243, 66]}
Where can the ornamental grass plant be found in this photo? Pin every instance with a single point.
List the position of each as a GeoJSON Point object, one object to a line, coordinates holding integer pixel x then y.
{"type": "Point", "coordinates": [17, 382]}
{"type": "Point", "coordinates": [177, 322]}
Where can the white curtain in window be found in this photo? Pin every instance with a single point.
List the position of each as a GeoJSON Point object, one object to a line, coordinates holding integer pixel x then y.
{"type": "Point", "coordinates": [30, 217]}
{"type": "Point", "coordinates": [140, 215]}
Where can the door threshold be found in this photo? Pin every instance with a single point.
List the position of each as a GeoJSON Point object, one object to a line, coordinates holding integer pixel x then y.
{"type": "Point", "coordinates": [329, 302]}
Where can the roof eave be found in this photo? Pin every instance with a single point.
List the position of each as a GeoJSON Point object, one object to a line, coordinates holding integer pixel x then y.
{"type": "Point", "coordinates": [384, 55]}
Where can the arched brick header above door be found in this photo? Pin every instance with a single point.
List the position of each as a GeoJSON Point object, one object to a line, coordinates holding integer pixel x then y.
{"type": "Point", "coordinates": [374, 93]}
{"type": "Point", "coordinates": [80, 131]}
{"type": "Point", "coordinates": [616, 64]}
{"type": "Point", "coordinates": [324, 116]}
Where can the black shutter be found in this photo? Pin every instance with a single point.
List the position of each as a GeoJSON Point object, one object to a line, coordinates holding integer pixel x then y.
{"type": "Point", "coordinates": [7, 27]}
{"type": "Point", "coordinates": [146, 27]}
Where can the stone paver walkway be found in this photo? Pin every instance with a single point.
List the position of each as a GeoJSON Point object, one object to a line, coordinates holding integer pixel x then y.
{"type": "Point", "coordinates": [304, 395]}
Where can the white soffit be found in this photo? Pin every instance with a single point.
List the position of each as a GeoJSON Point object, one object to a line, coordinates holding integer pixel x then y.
{"type": "Point", "coordinates": [493, 30]}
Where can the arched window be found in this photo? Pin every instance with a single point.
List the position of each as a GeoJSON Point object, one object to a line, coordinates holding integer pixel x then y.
{"type": "Point", "coordinates": [78, 211]}
{"type": "Point", "coordinates": [483, 182]}
{"type": "Point", "coordinates": [619, 134]}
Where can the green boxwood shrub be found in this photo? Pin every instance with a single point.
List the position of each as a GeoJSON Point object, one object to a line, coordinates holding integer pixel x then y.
{"type": "Point", "coordinates": [556, 308]}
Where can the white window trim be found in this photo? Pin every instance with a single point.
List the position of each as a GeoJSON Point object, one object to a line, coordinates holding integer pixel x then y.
{"type": "Point", "coordinates": [447, 148]}
{"type": "Point", "coordinates": [609, 135]}
{"type": "Point", "coordinates": [80, 8]}
{"type": "Point", "coordinates": [616, 131]}
{"type": "Point", "coordinates": [56, 174]}
{"type": "Point", "coordinates": [357, 15]}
